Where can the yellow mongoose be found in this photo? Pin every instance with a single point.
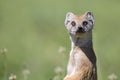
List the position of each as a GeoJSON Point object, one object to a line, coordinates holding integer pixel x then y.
{"type": "Point", "coordinates": [82, 60]}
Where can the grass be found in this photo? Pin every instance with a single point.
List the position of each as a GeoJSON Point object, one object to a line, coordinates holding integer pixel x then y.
{"type": "Point", "coordinates": [32, 31]}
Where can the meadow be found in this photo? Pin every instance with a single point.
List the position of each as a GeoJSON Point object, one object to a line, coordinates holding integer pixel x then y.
{"type": "Point", "coordinates": [34, 41]}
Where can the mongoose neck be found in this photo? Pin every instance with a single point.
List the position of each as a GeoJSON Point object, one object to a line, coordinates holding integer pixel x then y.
{"type": "Point", "coordinates": [81, 40]}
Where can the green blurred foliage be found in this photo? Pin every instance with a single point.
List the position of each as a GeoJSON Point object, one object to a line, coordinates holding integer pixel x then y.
{"type": "Point", "coordinates": [33, 31]}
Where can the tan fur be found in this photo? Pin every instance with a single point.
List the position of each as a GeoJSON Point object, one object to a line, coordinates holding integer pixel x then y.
{"type": "Point", "coordinates": [82, 60]}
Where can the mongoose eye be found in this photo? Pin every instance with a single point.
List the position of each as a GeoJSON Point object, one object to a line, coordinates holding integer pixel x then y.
{"type": "Point", "coordinates": [84, 23]}
{"type": "Point", "coordinates": [73, 23]}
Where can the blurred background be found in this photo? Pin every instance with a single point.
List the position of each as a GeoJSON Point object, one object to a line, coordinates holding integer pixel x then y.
{"type": "Point", "coordinates": [35, 45]}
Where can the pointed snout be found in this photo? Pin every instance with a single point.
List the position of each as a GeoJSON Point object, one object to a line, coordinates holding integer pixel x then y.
{"type": "Point", "coordinates": [80, 29]}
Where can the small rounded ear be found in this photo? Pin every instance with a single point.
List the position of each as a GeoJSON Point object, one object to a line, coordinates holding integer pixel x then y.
{"type": "Point", "coordinates": [90, 16]}
{"type": "Point", "coordinates": [69, 16]}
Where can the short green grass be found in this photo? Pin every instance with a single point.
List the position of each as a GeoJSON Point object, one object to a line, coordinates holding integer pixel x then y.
{"type": "Point", "coordinates": [32, 31]}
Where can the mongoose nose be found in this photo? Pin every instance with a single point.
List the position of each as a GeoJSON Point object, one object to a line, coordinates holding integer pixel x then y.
{"type": "Point", "coordinates": [80, 30]}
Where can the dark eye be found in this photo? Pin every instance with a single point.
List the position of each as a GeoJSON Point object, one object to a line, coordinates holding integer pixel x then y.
{"type": "Point", "coordinates": [73, 23]}
{"type": "Point", "coordinates": [84, 23]}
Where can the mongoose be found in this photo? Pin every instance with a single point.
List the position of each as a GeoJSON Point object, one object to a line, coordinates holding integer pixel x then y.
{"type": "Point", "coordinates": [82, 60]}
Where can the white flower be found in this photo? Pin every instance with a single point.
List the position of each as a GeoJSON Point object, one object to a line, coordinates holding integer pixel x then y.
{"type": "Point", "coordinates": [112, 77]}
{"type": "Point", "coordinates": [58, 70]}
{"type": "Point", "coordinates": [3, 50]}
{"type": "Point", "coordinates": [61, 49]}
{"type": "Point", "coordinates": [25, 72]}
{"type": "Point", "coordinates": [12, 77]}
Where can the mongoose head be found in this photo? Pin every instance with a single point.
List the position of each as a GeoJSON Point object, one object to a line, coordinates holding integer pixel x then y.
{"type": "Point", "coordinates": [79, 24]}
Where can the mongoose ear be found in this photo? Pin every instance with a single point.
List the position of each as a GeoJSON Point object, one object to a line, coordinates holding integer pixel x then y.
{"type": "Point", "coordinates": [89, 16]}
{"type": "Point", "coordinates": [69, 16]}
